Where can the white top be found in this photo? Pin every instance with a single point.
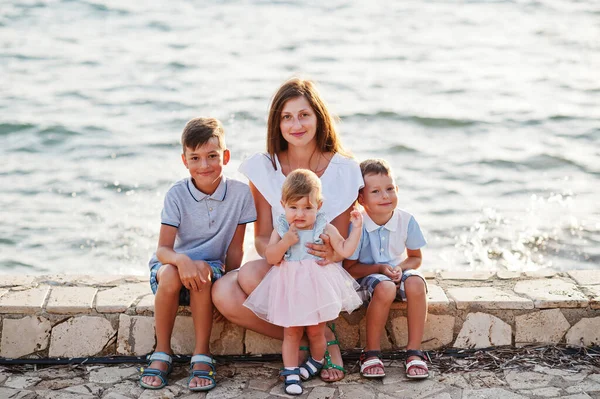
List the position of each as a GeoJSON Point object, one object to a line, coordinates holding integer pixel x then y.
{"type": "Point", "coordinates": [341, 181]}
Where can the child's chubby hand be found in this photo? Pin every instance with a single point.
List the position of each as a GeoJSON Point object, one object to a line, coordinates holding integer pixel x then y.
{"type": "Point", "coordinates": [194, 274]}
{"type": "Point", "coordinates": [291, 236]}
{"type": "Point", "coordinates": [394, 273]}
{"type": "Point", "coordinates": [356, 219]}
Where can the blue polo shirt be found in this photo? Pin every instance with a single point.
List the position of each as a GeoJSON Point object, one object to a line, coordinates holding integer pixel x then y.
{"type": "Point", "coordinates": [387, 244]}
{"type": "Point", "coordinates": [206, 223]}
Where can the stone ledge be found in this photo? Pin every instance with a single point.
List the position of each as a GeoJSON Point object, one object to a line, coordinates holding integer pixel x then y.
{"type": "Point", "coordinates": [78, 316]}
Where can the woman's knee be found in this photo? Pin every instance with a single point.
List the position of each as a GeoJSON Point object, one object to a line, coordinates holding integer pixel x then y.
{"type": "Point", "coordinates": [385, 291]}
{"type": "Point", "coordinates": [224, 291]}
{"type": "Point", "coordinates": [168, 279]}
{"type": "Point", "coordinates": [251, 274]}
{"type": "Point", "coordinates": [414, 286]}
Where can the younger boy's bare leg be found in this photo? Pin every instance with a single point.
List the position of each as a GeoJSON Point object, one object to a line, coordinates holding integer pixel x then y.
{"type": "Point", "coordinates": [202, 311]}
{"type": "Point", "coordinates": [416, 301]}
{"type": "Point", "coordinates": [166, 303]}
{"type": "Point", "coordinates": [377, 315]}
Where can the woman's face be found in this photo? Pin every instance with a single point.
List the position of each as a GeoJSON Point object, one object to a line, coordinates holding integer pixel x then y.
{"type": "Point", "coordinates": [298, 122]}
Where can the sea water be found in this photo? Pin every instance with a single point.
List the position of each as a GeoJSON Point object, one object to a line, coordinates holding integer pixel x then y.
{"type": "Point", "coordinates": [488, 111]}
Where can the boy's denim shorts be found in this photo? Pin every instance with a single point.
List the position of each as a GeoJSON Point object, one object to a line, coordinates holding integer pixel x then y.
{"type": "Point", "coordinates": [216, 266]}
{"type": "Point", "coordinates": [368, 284]}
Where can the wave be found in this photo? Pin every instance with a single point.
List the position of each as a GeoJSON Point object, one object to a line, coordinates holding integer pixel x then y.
{"type": "Point", "coordinates": [419, 120]}
{"type": "Point", "coordinates": [9, 128]}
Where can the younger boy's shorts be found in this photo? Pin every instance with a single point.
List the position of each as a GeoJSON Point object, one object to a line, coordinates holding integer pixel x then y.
{"type": "Point", "coordinates": [217, 271]}
{"type": "Point", "coordinates": [368, 283]}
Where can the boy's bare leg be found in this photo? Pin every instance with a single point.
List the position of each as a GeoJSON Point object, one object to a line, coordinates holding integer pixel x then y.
{"type": "Point", "coordinates": [416, 301]}
{"type": "Point", "coordinates": [202, 310]}
{"type": "Point", "coordinates": [377, 315]}
{"type": "Point", "coordinates": [166, 303]}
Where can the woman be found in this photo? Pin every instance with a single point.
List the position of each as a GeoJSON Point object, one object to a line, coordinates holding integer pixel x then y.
{"type": "Point", "coordinates": [300, 134]}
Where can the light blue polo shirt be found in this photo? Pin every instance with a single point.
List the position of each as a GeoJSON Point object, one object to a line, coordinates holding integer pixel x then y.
{"type": "Point", "coordinates": [206, 223]}
{"type": "Point", "coordinates": [387, 244]}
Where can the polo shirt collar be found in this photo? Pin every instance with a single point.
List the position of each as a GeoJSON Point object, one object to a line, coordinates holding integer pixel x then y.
{"type": "Point", "coordinates": [218, 195]}
{"type": "Point", "coordinates": [371, 226]}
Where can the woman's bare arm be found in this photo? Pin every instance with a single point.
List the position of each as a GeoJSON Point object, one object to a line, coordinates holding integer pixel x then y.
{"type": "Point", "coordinates": [263, 227]}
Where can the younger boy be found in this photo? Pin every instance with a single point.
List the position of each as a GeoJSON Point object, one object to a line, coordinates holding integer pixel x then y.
{"type": "Point", "coordinates": [384, 266]}
{"type": "Point", "coordinates": [203, 223]}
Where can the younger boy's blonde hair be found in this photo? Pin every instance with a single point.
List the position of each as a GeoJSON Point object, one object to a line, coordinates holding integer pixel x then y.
{"type": "Point", "coordinates": [301, 183]}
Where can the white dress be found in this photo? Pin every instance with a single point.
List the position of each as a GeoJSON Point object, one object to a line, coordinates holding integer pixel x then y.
{"type": "Point", "coordinates": [341, 181]}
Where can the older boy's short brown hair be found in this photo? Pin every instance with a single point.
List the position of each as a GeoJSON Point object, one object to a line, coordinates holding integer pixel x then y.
{"type": "Point", "coordinates": [198, 131]}
{"type": "Point", "coordinates": [375, 166]}
{"type": "Point", "coordinates": [301, 183]}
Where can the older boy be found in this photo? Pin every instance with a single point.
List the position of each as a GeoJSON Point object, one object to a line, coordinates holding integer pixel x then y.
{"type": "Point", "coordinates": [384, 266]}
{"type": "Point", "coordinates": [203, 225]}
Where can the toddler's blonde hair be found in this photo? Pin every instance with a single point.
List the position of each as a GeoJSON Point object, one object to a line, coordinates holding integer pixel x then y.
{"type": "Point", "coordinates": [301, 183]}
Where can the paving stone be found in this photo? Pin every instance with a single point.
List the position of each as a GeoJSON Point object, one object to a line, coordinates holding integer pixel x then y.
{"type": "Point", "coordinates": [585, 332]}
{"type": "Point", "coordinates": [423, 388]}
{"type": "Point", "coordinates": [146, 304]}
{"type": "Point", "coordinates": [384, 342]}
{"type": "Point", "coordinates": [23, 336]}
{"type": "Point", "coordinates": [262, 384]}
{"type": "Point", "coordinates": [585, 277]}
{"type": "Point", "coordinates": [577, 396]}
{"type": "Point", "coordinates": [593, 291]}
{"type": "Point", "coordinates": [547, 392]}
{"type": "Point", "coordinates": [136, 335]}
{"type": "Point", "coordinates": [467, 275]}
{"type": "Point", "coordinates": [259, 344]}
{"type": "Point", "coordinates": [111, 375]}
{"type": "Point", "coordinates": [437, 301]}
{"type": "Point", "coordinates": [356, 391]}
{"type": "Point", "coordinates": [227, 339]}
{"type": "Point", "coordinates": [492, 393]}
{"type": "Point", "coordinates": [3, 377]}
{"type": "Point", "coordinates": [518, 379]}
{"type": "Point", "coordinates": [120, 298]}
{"type": "Point", "coordinates": [567, 375]}
{"type": "Point", "coordinates": [2, 292]}
{"type": "Point", "coordinates": [321, 393]}
{"type": "Point", "coordinates": [438, 331]}
{"type": "Point", "coordinates": [13, 280]}
{"type": "Point", "coordinates": [58, 383]}
{"type": "Point", "coordinates": [487, 298]}
{"type": "Point", "coordinates": [508, 275]}
{"type": "Point", "coordinates": [250, 394]}
{"type": "Point", "coordinates": [80, 336]}
{"type": "Point", "coordinates": [552, 293]}
{"type": "Point", "coordinates": [545, 326]}
{"type": "Point", "coordinates": [71, 300]}
{"type": "Point", "coordinates": [393, 375]}
{"type": "Point", "coordinates": [481, 330]}
{"type": "Point", "coordinates": [21, 382]}
{"type": "Point", "coordinates": [542, 273]}
{"type": "Point", "coordinates": [443, 395]}
{"type": "Point", "coordinates": [455, 380]}
{"type": "Point", "coordinates": [86, 389]}
{"type": "Point", "coordinates": [128, 388]}
{"type": "Point", "coordinates": [114, 395]}
{"type": "Point", "coordinates": [16, 394]}
{"type": "Point", "coordinates": [168, 392]}
{"type": "Point", "coordinates": [28, 301]}
{"type": "Point", "coordinates": [587, 386]}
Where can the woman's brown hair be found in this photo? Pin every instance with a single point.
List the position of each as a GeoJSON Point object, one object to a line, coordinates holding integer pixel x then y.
{"type": "Point", "coordinates": [326, 135]}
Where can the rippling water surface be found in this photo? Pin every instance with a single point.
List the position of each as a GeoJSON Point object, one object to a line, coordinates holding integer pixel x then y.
{"type": "Point", "coordinates": [489, 111]}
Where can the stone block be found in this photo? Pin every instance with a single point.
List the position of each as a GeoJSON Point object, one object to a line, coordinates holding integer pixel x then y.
{"type": "Point", "coordinates": [552, 293]}
{"type": "Point", "coordinates": [348, 334]}
{"type": "Point", "coordinates": [136, 335]}
{"type": "Point", "coordinates": [14, 280]}
{"type": "Point", "coordinates": [2, 292]}
{"type": "Point", "coordinates": [120, 298]}
{"type": "Point", "coordinates": [80, 336]}
{"type": "Point", "coordinates": [542, 273]}
{"type": "Point", "coordinates": [71, 300]}
{"type": "Point", "coordinates": [508, 275]}
{"type": "Point", "coordinates": [17, 393]}
{"type": "Point", "coordinates": [27, 301]}
{"type": "Point", "coordinates": [437, 301]}
{"type": "Point", "coordinates": [384, 342]}
{"type": "Point", "coordinates": [467, 275]}
{"type": "Point", "coordinates": [257, 344]}
{"type": "Point", "coordinates": [593, 292]}
{"type": "Point", "coordinates": [586, 332]}
{"type": "Point", "coordinates": [481, 330]}
{"type": "Point", "coordinates": [146, 304]}
{"type": "Point", "coordinates": [585, 277]}
{"type": "Point", "coordinates": [439, 331]}
{"type": "Point", "coordinates": [545, 326]}
{"type": "Point", "coordinates": [227, 339]}
{"type": "Point", "coordinates": [111, 375]}
{"type": "Point", "coordinates": [24, 336]}
{"type": "Point", "coordinates": [519, 379]}
{"type": "Point", "coordinates": [321, 393]}
{"type": "Point", "coordinates": [182, 340]}
{"type": "Point", "coordinates": [487, 298]}
{"type": "Point", "coordinates": [491, 393]}
{"type": "Point", "coordinates": [21, 381]}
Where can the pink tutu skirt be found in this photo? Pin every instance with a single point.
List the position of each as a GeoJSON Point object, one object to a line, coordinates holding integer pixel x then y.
{"type": "Point", "coordinates": [303, 293]}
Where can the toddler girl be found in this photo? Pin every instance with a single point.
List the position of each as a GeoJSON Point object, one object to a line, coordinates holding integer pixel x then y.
{"type": "Point", "coordinates": [298, 293]}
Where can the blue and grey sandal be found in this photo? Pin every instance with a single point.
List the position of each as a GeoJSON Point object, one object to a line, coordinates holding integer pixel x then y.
{"type": "Point", "coordinates": [203, 374]}
{"type": "Point", "coordinates": [152, 372]}
{"type": "Point", "coordinates": [310, 368]}
{"type": "Point", "coordinates": [293, 386]}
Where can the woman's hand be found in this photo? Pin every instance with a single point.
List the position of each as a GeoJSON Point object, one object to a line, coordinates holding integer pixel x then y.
{"type": "Point", "coordinates": [324, 251]}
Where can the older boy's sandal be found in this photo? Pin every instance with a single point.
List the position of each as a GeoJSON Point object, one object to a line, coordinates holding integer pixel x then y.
{"type": "Point", "coordinates": [152, 372]}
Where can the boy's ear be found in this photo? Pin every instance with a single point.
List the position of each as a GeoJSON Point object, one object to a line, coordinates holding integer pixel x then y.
{"type": "Point", "coordinates": [360, 197]}
{"type": "Point", "coordinates": [226, 156]}
{"type": "Point", "coordinates": [397, 188]}
{"type": "Point", "coordinates": [184, 160]}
